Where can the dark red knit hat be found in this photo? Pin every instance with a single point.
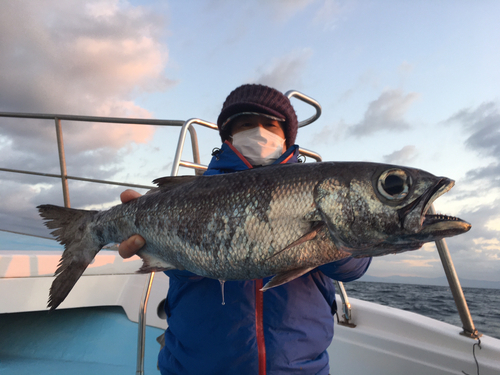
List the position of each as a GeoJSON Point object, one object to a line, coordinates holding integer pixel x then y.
{"type": "Point", "coordinates": [259, 99]}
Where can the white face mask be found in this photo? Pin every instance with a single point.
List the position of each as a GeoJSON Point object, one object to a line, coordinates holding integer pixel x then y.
{"type": "Point", "coordinates": [258, 145]}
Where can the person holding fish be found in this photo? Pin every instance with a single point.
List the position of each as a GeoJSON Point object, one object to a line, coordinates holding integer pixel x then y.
{"type": "Point", "coordinates": [284, 330]}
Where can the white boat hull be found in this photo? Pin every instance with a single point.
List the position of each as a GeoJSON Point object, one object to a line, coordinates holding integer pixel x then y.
{"type": "Point", "coordinates": [384, 341]}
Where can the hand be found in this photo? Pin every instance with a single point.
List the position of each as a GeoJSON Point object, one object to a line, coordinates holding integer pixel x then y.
{"type": "Point", "coordinates": [132, 245]}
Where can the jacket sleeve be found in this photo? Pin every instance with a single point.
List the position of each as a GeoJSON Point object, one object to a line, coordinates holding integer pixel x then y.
{"type": "Point", "coordinates": [345, 270]}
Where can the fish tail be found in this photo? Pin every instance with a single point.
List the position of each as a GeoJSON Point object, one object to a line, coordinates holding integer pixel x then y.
{"type": "Point", "coordinates": [73, 230]}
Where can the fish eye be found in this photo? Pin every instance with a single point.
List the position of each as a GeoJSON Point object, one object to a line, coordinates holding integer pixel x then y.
{"type": "Point", "coordinates": [394, 184]}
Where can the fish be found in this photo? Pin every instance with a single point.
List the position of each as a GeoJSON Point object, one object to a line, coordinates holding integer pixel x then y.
{"type": "Point", "coordinates": [276, 220]}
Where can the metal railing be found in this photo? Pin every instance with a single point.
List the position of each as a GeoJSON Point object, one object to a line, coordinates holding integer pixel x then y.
{"type": "Point", "coordinates": [60, 145]}
{"type": "Point", "coordinates": [196, 164]}
{"type": "Point", "coordinates": [64, 177]}
{"type": "Point", "coordinates": [469, 329]}
{"type": "Point", "coordinates": [187, 126]}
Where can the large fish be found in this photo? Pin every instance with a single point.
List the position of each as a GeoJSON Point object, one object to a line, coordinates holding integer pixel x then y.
{"type": "Point", "coordinates": [278, 220]}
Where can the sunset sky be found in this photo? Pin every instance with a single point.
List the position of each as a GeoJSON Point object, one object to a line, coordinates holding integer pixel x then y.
{"type": "Point", "coordinates": [413, 83]}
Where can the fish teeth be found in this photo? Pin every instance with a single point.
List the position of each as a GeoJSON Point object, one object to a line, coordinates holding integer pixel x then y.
{"type": "Point", "coordinates": [444, 217]}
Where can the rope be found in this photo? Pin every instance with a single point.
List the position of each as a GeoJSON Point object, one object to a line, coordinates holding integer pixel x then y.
{"type": "Point", "coordinates": [478, 344]}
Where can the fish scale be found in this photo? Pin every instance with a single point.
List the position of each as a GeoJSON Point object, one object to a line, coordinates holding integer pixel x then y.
{"type": "Point", "coordinates": [277, 220]}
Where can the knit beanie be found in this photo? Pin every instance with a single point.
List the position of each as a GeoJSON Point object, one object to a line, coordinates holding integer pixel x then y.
{"type": "Point", "coordinates": [258, 99]}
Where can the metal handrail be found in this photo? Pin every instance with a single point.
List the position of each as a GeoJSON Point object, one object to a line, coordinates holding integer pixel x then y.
{"type": "Point", "coordinates": [62, 162]}
{"type": "Point", "coordinates": [60, 144]}
{"type": "Point", "coordinates": [306, 99]}
{"type": "Point", "coordinates": [346, 307]}
{"type": "Point", "coordinates": [468, 326]}
{"type": "Point", "coordinates": [186, 126]}
{"type": "Point", "coordinates": [126, 184]}
{"type": "Point", "coordinates": [114, 120]}
{"type": "Point", "coordinates": [141, 324]}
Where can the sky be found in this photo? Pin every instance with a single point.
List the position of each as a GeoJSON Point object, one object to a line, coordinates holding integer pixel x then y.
{"type": "Point", "coordinates": [413, 83]}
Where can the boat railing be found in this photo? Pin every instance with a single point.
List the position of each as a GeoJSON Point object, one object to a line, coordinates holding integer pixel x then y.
{"type": "Point", "coordinates": [187, 126]}
{"type": "Point", "coordinates": [64, 177]}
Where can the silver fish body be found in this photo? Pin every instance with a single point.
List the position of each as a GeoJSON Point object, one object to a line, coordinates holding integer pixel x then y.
{"type": "Point", "coordinates": [278, 220]}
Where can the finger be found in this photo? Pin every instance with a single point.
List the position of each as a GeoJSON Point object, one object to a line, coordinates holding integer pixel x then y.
{"type": "Point", "coordinates": [129, 195]}
{"type": "Point", "coordinates": [131, 246]}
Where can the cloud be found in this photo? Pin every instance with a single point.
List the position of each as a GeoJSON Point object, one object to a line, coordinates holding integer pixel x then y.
{"type": "Point", "coordinates": [478, 249]}
{"type": "Point", "coordinates": [285, 72]}
{"type": "Point", "coordinates": [490, 174]}
{"type": "Point", "coordinates": [18, 213]}
{"type": "Point", "coordinates": [385, 113]}
{"type": "Point", "coordinates": [275, 11]}
{"type": "Point", "coordinates": [404, 156]}
{"type": "Point", "coordinates": [329, 134]}
{"type": "Point", "coordinates": [475, 253]}
{"type": "Point", "coordinates": [368, 79]}
{"type": "Point", "coordinates": [283, 10]}
{"type": "Point", "coordinates": [79, 58]}
{"type": "Point", "coordinates": [424, 262]}
{"type": "Point", "coordinates": [405, 68]}
{"type": "Point", "coordinates": [483, 123]}
{"type": "Point", "coordinates": [74, 57]}
{"type": "Point", "coordinates": [61, 56]}
{"type": "Point", "coordinates": [483, 126]}
{"type": "Point", "coordinates": [331, 11]}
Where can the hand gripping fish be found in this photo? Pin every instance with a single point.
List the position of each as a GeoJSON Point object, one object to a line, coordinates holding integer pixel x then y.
{"type": "Point", "coordinates": [278, 220]}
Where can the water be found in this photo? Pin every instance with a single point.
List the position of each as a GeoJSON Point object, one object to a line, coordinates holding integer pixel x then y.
{"type": "Point", "coordinates": [434, 301]}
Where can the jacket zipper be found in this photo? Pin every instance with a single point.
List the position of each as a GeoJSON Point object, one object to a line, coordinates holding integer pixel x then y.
{"type": "Point", "coordinates": [259, 325]}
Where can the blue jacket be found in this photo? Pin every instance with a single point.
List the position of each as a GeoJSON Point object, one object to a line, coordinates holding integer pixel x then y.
{"type": "Point", "coordinates": [285, 330]}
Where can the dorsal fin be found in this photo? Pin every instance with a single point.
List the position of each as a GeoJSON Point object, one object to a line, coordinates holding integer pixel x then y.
{"type": "Point", "coordinates": [166, 183]}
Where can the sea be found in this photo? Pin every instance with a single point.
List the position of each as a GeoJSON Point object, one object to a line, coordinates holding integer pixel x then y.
{"type": "Point", "coordinates": [434, 302]}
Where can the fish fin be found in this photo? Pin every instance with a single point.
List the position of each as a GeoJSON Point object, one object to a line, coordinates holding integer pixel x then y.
{"type": "Point", "coordinates": [154, 264]}
{"type": "Point", "coordinates": [313, 232]}
{"type": "Point", "coordinates": [169, 182]}
{"type": "Point", "coordinates": [284, 277]}
{"type": "Point", "coordinates": [153, 191]}
{"type": "Point", "coordinates": [80, 247]}
{"type": "Point", "coordinates": [313, 216]}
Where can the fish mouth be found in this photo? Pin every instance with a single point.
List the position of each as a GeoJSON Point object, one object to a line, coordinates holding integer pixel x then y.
{"type": "Point", "coordinates": [438, 225]}
{"type": "Point", "coordinates": [425, 200]}
{"type": "Point", "coordinates": [443, 186]}
{"type": "Point", "coordinates": [434, 226]}
{"type": "Point", "coordinates": [441, 226]}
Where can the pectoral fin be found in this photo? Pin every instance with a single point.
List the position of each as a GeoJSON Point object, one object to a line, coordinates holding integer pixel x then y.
{"type": "Point", "coordinates": [154, 264]}
{"type": "Point", "coordinates": [284, 277]}
{"type": "Point", "coordinates": [314, 215]}
{"type": "Point", "coordinates": [313, 232]}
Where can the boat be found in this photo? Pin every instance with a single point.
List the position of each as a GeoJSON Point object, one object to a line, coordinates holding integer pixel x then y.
{"type": "Point", "coordinates": [110, 321]}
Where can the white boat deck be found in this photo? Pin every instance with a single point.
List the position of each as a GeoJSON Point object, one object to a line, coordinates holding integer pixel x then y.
{"type": "Point", "coordinates": [98, 340]}
{"type": "Point", "coordinates": [95, 330]}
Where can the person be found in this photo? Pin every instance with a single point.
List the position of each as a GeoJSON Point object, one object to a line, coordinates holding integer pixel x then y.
{"type": "Point", "coordinates": [284, 330]}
